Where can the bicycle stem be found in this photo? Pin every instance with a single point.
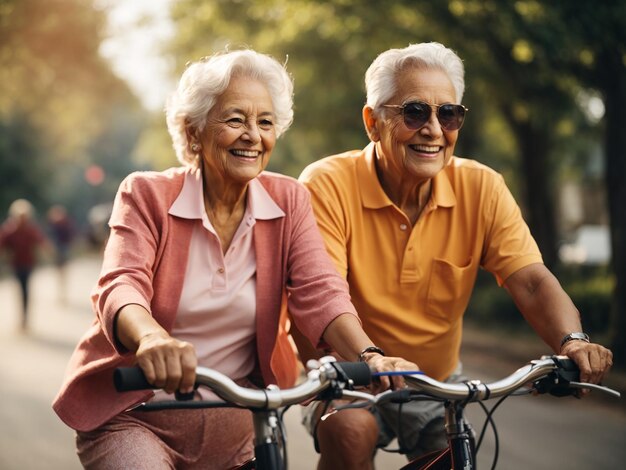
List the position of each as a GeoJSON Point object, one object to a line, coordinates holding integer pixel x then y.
{"type": "Point", "coordinates": [459, 436]}
{"type": "Point", "coordinates": [266, 450]}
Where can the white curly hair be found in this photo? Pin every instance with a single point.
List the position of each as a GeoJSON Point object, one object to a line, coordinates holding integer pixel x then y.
{"type": "Point", "coordinates": [205, 80]}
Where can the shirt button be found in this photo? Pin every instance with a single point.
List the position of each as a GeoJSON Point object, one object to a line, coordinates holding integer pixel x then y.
{"type": "Point", "coordinates": [220, 270]}
{"type": "Point", "coordinates": [403, 227]}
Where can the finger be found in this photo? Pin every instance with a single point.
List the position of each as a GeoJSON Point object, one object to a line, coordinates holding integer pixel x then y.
{"type": "Point", "coordinates": [397, 382]}
{"type": "Point", "coordinates": [189, 362]}
{"type": "Point", "coordinates": [377, 363]}
{"type": "Point", "coordinates": [160, 371]}
{"type": "Point", "coordinates": [174, 372]}
{"type": "Point", "coordinates": [384, 384]}
{"type": "Point", "coordinates": [153, 368]}
{"type": "Point", "coordinates": [597, 365]}
{"type": "Point", "coordinates": [150, 358]}
{"type": "Point", "coordinates": [606, 361]}
{"type": "Point", "coordinates": [374, 385]}
{"type": "Point", "coordinates": [148, 370]}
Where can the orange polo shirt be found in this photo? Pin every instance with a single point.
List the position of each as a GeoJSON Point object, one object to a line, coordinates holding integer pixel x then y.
{"type": "Point", "coordinates": [411, 285]}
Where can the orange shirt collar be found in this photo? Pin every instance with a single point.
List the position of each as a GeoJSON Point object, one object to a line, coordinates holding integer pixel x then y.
{"type": "Point", "coordinates": [374, 197]}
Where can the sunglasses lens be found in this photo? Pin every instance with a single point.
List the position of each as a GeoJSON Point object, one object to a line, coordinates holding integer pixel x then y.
{"type": "Point", "coordinates": [451, 116]}
{"type": "Point", "coordinates": [416, 115]}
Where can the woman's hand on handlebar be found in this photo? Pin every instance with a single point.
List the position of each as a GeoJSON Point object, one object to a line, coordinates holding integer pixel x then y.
{"type": "Point", "coordinates": [388, 364]}
{"type": "Point", "coordinates": [167, 362]}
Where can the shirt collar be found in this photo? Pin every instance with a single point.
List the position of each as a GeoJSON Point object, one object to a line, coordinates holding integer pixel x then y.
{"type": "Point", "coordinates": [374, 197]}
{"type": "Point", "coordinates": [190, 202]}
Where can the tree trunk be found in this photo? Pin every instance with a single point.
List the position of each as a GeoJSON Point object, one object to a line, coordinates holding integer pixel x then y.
{"type": "Point", "coordinates": [537, 176]}
{"type": "Point", "coordinates": [615, 102]}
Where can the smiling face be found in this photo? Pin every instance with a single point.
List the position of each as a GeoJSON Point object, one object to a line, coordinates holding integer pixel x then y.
{"type": "Point", "coordinates": [403, 152]}
{"type": "Point", "coordinates": [239, 135]}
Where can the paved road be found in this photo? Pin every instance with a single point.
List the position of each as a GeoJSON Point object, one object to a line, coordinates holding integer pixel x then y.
{"type": "Point", "coordinates": [540, 432]}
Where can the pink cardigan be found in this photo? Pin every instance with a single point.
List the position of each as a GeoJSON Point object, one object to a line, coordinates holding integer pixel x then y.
{"type": "Point", "coordinates": [145, 261]}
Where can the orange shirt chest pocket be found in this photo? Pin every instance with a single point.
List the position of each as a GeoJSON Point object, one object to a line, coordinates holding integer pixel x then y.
{"type": "Point", "coordinates": [449, 288]}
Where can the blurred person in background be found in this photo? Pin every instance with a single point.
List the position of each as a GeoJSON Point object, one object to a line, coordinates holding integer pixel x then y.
{"type": "Point", "coordinates": [62, 232]}
{"type": "Point", "coordinates": [408, 225]}
{"type": "Point", "coordinates": [198, 263]}
{"type": "Point", "coordinates": [21, 237]}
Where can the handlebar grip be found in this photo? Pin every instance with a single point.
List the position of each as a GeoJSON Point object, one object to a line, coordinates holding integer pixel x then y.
{"type": "Point", "coordinates": [358, 372]}
{"type": "Point", "coordinates": [567, 366]}
{"type": "Point", "coordinates": [127, 379]}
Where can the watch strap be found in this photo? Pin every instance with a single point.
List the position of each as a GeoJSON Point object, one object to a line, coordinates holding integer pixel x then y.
{"type": "Point", "coordinates": [370, 349]}
{"type": "Point", "coordinates": [574, 336]}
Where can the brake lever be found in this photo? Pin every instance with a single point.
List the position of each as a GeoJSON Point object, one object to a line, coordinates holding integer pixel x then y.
{"type": "Point", "coordinates": [558, 382]}
{"type": "Point", "coordinates": [600, 388]}
{"type": "Point", "coordinates": [565, 380]}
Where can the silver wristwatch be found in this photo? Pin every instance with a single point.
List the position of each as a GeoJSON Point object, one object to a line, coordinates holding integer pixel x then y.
{"type": "Point", "coordinates": [574, 336]}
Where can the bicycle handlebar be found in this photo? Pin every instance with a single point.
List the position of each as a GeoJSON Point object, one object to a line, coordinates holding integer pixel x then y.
{"type": "Point", "coordinates": [326, 373]}
{"type": "Point", "coordinates": [557, 375]}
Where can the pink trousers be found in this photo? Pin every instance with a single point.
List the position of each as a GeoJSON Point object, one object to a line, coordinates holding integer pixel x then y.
{"type": "Point", "coordinates": [218, 438]}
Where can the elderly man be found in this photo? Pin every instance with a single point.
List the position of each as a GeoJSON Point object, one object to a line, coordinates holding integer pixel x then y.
{"type": "Point", "coordinates": [408, 224]}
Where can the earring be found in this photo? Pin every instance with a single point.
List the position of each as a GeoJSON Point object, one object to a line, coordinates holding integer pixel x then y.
{"type": "Point", "coordinates": [195, 148]}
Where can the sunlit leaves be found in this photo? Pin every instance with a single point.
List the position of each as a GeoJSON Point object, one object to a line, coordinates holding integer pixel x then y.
{"type": "Point", "coordinates": [522, 51]}
{"type": "Point", "coordinates": [529, 9]}
{"type": "Point", "coordinates": [461, 8]}
{"type": "Point", "coordinates": [58, 99]}
{"type": "Point", "coordinates": [586, 57]}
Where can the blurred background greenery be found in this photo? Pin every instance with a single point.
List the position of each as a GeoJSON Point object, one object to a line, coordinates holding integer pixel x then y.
{"type": "Point", "coordinates": [546, 88]}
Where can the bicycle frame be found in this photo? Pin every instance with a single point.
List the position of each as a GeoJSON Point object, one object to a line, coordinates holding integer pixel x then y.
{"type": "Point", "coordinates": [461, 451]}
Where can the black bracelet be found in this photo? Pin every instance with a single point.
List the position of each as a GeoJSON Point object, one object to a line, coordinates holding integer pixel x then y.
{"type": "Point", "coordinates": [370, 349]}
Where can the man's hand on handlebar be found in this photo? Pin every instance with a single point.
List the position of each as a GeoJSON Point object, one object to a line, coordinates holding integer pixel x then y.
{"type": "Point", "coordinates": [593, 360]}
{"type": "Point", "coordinates": [167, 363]}
{"type": "Point", "coordinates": [381, 363]}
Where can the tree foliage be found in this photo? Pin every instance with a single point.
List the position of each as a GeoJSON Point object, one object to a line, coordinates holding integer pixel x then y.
{"type": "Point", "coordinates": [528, 62]}
{"type": "Point", "coordinates": [61, 107]}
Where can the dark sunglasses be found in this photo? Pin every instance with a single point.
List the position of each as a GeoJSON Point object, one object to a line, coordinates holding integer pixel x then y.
{"type": "Point", "coordinates": [417, 113]}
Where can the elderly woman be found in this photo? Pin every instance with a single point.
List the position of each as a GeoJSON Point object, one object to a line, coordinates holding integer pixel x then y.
{"type": "Point", "coordinates": [435, 219]}
{"type": "Point", "coordinates": [198, 263]}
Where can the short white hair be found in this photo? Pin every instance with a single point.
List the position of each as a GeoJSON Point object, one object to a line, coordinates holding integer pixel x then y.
{"type": "Point", "coordinates": [381, 76]}
{"type": "Point", "coordinates": [205, 80]}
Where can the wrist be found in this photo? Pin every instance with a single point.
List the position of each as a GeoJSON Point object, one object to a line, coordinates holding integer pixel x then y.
{"type": "Point", "coordinates": [576, 336]}
{"type": "Point", "coordinates": [368, 351]}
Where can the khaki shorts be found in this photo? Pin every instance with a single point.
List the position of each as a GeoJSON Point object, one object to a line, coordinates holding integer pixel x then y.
{"type": "Point", "coordinates": [418, 425]}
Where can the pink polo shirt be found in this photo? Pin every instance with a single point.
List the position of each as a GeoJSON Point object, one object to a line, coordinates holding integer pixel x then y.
{"type": "Point", "coordinates": [217, 307]}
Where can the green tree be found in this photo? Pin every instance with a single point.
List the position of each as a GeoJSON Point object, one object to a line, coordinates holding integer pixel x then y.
{"type": "Point", "coordinates": [589, 43]}
{"type": "Point", "coordinates": [55, 83]}
{"type": "Point", "coordinates": [22, 165]}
